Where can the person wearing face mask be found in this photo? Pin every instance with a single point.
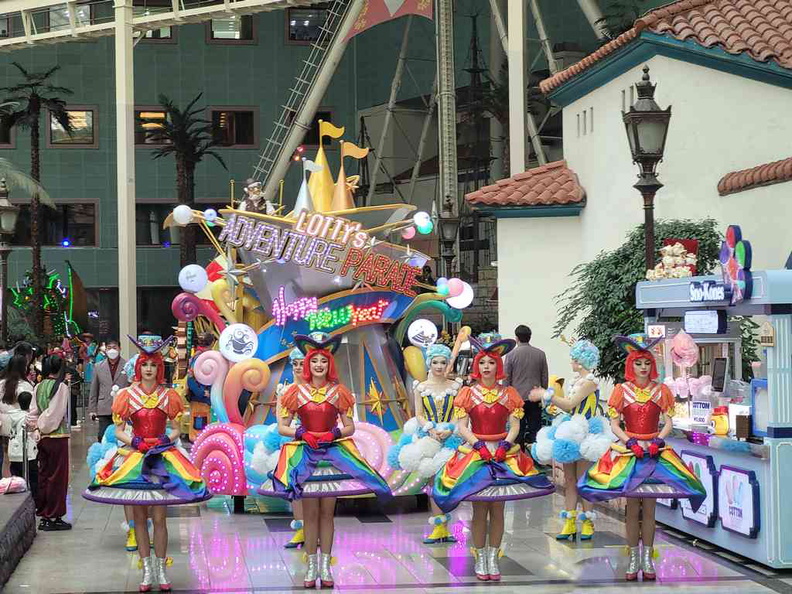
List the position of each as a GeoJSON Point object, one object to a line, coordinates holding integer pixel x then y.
{"type": "Point", "coordinates": [490, 468]}
{"type": "Point", "coordinates": [108, 373]}
{"type": "Point", "coordinates": [641, 467]}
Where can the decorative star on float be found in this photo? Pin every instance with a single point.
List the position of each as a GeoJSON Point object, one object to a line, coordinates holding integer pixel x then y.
{"type": "Point", "coordinates": [375, 401]}
{"type": "Point", "coordinates": [362, 284]}
{"type": "Point", "coordinates": [373, 241]}
{"type": "Point", "coordinates": [401, 396]}
{"type": "Point", "coordinates": [407, 255]}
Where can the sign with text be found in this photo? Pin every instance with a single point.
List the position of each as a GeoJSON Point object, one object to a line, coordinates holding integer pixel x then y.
{"type": "Point", "coordinates": [700, 411]}
{"type": "Point", "coordinates": [708, 292]}
{"type": "Point", "coordinates": [738, 501]}
{"type": "Point", "coordinates": [704, 468]}
{"type": "Point", "coordinates": [705, 321]}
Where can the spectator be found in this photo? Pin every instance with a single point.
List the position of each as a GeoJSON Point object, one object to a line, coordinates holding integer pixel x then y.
{"type": "Point", "coordinates": [52, 401]}
{"type": "Point", "coordinates": [108, 373]}
{"type": "Point", "coordinates": [19, 418]}
{"type": "Point", "coordinates": [13, 381]}
{"type": "Point", "coordinates": [526, 369]}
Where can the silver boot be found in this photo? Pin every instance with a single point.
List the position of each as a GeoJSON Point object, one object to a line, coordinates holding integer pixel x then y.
{"type": "Point", "coordinates": [482, 571]}
{"type": "Point", "coordinates": [647, 564]}
{"type": "Point", "coordinates": [311, 572]}
{"type": "Point", "coordinates": [492, 563]}
{"type": "Point", "coordinates": [148, 575]}
{"type": "Point", "coordinates": [635, 563]}
{"type": "Point", "coordinates": [325, 575]}
{"type": "Point", "coordinates": [162, 577]}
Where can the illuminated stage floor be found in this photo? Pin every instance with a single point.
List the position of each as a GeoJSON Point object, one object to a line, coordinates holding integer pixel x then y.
{"type": "Point", "coordinates": [216, 551]}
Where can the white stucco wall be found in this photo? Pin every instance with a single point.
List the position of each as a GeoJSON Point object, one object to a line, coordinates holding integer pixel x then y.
{"type": "Point", "coordinates": [534, 260]}
{"type": "Point", "coordinates": [720, 123]}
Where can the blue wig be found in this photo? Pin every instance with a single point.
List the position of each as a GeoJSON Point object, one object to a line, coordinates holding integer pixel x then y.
{"type": "Point", "coordinates": [437, 350]}
{"type": "Point", "coordinates": [585, 353]}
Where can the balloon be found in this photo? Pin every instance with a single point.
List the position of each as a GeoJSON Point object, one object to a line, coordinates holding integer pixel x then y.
{"type": "Point", "coordinates": [442, 289]}
{"type": "Point", "coordinates": [193, 278]}
{"type": "Point", "coordinates": [422, 333]}
{"type": "Point", "coordinates": [408, 233]}
{"type": "Point", "coordinates": [442, 281]}
{"type": "Point", "coordinates": [183, 214]}
{"type": "Point", "coordinates": [425, 229]}
{"type": "Point", "coordinates": [238, 342]}
{"type": "Point", "coordinates": [421, 219]}
{"type": "Point", "coordinates": [462, 300]}
{"type": "Point", "coordinates": [455, 287]}
{"type": "Point", "coordinates": [414, 362]}
{"type": "Point", "coordinates": [210, 214]}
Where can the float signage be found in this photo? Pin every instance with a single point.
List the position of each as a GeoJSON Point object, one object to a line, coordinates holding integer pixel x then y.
{"type": "Point", "coordinates": [704, 468]}
{"type": "Point", "coordinates": [738, 501]}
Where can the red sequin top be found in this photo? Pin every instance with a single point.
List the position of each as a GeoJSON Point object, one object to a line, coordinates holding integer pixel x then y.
{"type": "Point", "coordinates": [317, 408]}
{"type": "Point", "coordinates": [148, 413]}
{"type": "Point", "coordinates": [641, 408]}
{"type": "Point", "coordinates": [489, 409]}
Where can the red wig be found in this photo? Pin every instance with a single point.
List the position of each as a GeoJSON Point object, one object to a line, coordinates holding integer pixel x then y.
{"type": "Point", "coordinates": [629, 365]}
{"type": "Point", "coordinates": [499, 372]}
{"type": "Point", "coordinates": [332, 376]}
{"type": "Point", "coordinates": [156, 358]}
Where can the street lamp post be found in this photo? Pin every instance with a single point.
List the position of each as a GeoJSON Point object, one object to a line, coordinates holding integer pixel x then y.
{"type": "Point", "coordinates": [8, 219]}
{"type": "Point", "coordinates": [449, 226]}
{"type": "Point", "coordinates": [647, 128]}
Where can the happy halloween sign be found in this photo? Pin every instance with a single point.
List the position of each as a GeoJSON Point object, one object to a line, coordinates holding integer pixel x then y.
{"type": "Point", "coordinates": [323, 242]}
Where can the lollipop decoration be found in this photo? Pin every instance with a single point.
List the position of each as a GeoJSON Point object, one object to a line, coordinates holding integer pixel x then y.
{"type": "Point", "coordinates": [735, 259]}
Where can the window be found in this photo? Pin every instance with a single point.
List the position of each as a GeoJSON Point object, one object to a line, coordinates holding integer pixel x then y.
{"type": "Point", "coordinates": [5, 27]}
{"type": "Point", "coordinates": [67, 225]}
{"type": "Point", "coordinates": [232, 29]}
{"type": "Point", "coordinates": [234, 127]}
{"type": "Point", "coordinates": [147, 122]}
{"type": "Point", "coordinates": [150, 232]}
{"type": "Point", "coordinates": [312, 135]}
{"type": "Point", "coordinates": [160, 34]}
{"type": "Point", "coordinates": [304, 25]}
{"type": "Point", "coordinates": [585, 124]}
{"type": "Point", "coordinates": [591, 120]}
{"type": "Point", "coordinates": [59, 17]}
{"type": "Point", "coordinates": [6, 136]}
{"type": "Point", "coordinates": [84, 133]}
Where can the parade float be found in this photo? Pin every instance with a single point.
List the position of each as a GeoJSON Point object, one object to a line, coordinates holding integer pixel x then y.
{"type": "Point", "coordinates": [324, 266]}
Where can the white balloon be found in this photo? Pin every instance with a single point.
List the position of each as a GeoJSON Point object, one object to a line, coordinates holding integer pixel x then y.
{"type": "Point", "coordinates": [238, 342]}
{"type": "Point", "coordinates": [464, 299]}
{"type": "Point", "coordinates": [183, 214]}
{"type": "Point", "coordinates": [422, 333]}
{"type": "Point", "coordinates": [421, 219]}
{"type": "Point", "coordinates": [210, 214]}
{"type": "Point", "coordinates": [193, 278]}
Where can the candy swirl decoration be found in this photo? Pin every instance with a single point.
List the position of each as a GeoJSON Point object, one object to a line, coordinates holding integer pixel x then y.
{"type": "Point", "coordinates": [218, 454]}
{"type": "Point", "coordinates": [211, 369]}
{"type": "Point", "coordinates": [186, 307]}
{"type": "Point", "coordinates": [374, 443]}
{"type": "Point", "coordinates": [252, 375]}
{"type": "Point", "coordinates": [735, 259]}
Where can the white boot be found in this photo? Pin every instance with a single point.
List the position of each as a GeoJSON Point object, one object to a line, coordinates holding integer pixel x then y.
{"type": "Point", "coordinates": [325, 575]}
{"type": "Point", "coordinates": [493, 553]}
{"type": "Point", "coordinates": [162, 577]}
{"type": "Point", "coordinates": [311, 572]}
{"type": "Point", "coordinates": [482, 571]}
{"type": "Point", "coordinates": [148, 575]}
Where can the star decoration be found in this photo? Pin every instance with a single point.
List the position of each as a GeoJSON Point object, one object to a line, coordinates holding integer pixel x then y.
{"type": "Point", "coordinates": [375, 401]}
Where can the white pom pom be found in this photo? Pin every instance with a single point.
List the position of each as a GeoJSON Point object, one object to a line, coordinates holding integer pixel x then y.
{"type": "Point", "coordinates": [410, 457]}
{"type": "Point", "coordinates": [263, 461]}
{"type": "Point", "coordinates": [428, 447]}
{"type": "Point", "coordinates": [411, 426]}
{"type": "Point", "coordinates": [544, 446]}
{"type": "Point", "coordinates": [562, 418]}
{"type": "Point", "coordinates": [574, 429]}
{"type": "Point", "coordinates": [595, 446]}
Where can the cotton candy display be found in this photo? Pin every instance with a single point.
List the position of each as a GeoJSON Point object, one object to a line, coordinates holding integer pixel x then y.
{"type": "Point", "coordinates": [684, 351]}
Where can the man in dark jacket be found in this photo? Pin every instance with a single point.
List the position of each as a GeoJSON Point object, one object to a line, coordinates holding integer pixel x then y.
{"type": "Point", "coordinates": [526, 369]}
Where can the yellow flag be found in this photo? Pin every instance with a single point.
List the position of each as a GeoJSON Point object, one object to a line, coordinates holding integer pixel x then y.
{"type": "Point", "coordinates": [350, 149]}
{"type": "Point", "coordinates": [327, 129]}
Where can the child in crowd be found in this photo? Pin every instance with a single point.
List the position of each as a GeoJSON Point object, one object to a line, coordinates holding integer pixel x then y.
{"type": "Point", "coordinates": [19, 418]}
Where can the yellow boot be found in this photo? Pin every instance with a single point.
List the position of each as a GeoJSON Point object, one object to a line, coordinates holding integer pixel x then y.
{"type": "Point", "coordinates": [440, 531]}
{"type": "Point", "coordinates": [569, 531]}
{"type": "Point", "coordinates": [587, 526]}
{"type": "Point", "coordinates": [131, 542]}
{"type": "Point", "coordinates": [299, 535]}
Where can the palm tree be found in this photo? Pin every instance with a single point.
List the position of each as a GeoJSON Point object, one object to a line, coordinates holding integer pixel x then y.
{"type": "Point", "coordinates": [189, 139]}
{"type": "Point", "coordinates": [620, 15]}
{"type": "Point", "coordinates": [34, 94]}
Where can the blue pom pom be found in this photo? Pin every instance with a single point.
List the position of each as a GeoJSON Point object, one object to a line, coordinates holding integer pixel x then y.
{"type": "Point", "coordinates": [565, 451]}
{"type": "Point", "coordinates": [393, 457]}
{"type": "Point", "coordinates": [95, 453]}
{"type": "Point", "coordinates": [596, 425]}
{"type": "Point", "coordinates": [453, 442]}
{"type": "Point", "coordinates": [272, 439]}
{"type": "Point", "coordinates": [551, 433]}
{"type": "Point", "coordinates": [533, 452]}
{"type": "Point", "coordinates": [405, 439]}
{"type": "Point", "coordinates": [110, 436]}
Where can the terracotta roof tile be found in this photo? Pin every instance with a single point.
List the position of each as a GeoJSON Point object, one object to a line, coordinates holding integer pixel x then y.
{"type": "Point", "coordinates": [762, 29]}
{"type": "Point", "coordinates": [548, 185]}
{"type": "Point", "coordinates": [754, 177]}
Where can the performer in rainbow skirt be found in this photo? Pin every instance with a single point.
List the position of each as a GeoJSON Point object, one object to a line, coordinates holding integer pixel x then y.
{"type": "Point", "coordinates": [323, 462]}
{"type": "Point", "coordinates": [490, 469]}
{"type": "Point", "coordinates": [150, 472]}
{"type": "Point", "coordinates": [642, 467]}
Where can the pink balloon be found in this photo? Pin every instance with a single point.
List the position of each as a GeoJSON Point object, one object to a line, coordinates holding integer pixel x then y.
{"type": "Point", "coordinates": [408, 233]}
{"type": "Point", "coordinates": [455, 287]}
